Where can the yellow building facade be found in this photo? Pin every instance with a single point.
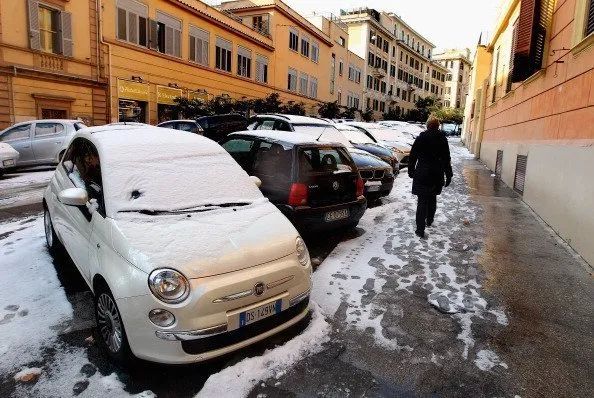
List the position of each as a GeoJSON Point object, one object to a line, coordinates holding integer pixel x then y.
{"type": "Point", "coordinates": [49, 62]}
{"type": "Point", "coordinates": [538, 130]}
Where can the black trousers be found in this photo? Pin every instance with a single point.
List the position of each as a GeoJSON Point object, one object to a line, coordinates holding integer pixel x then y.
{"type": "Point", "coordinates": [426, 206]}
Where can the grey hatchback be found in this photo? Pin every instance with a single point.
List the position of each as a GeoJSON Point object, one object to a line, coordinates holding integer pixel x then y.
{"type": "Point", "coordinates": [40, 142]}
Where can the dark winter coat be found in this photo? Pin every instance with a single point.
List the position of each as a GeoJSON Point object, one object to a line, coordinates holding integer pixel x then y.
{"type": "Point", "coordinates": [429, 163]}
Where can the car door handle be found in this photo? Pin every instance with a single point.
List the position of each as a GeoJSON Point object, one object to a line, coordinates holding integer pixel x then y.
{"type": "Point", "coordinates": [98, 246]}
{"type": "Point", "coordinates": [58, 142]}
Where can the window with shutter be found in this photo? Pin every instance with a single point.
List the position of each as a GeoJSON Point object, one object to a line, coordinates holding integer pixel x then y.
{"type": "Point", "coordinates": [66, 33]}
{"type": "Point", "coordinates": [590, 19]}
{"type": "Point", "coordinates": [168, 34]}
{"type": "Point", "coordinates": [34, 35]}
{"type": "Point", "coordinates": [223, 52]}
{"type": "Point", "coordinates": [261, 68]}
{"type": "Point", "coordinates": [511, 58]}
{"type": "Point", "coordinates": [131, 24]}
{"type": "Point", "coordinates": [533, 23]}
{"type": "Point", "coordinates": [199, 45]}
{"type": "Point", "coordinates": [313, 87]}
{"type": "Point", "coordinates": [244, 62]}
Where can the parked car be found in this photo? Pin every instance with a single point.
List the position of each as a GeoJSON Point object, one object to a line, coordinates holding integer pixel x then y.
{"type": "Point", "coordinates": [184, 125]}
{"type": "Point", "coordinates": [185, 257]}
{"type": "Point", "coordinates": [215, 127]}
{"type": "Point", "coordinates": [316, 185]}
{"type": "Point", "coordinates": [380, 180]}
{"type": "Point", "coordinates": [385, 136]}
{"type": "Point", "coordinates": [361, 141]}
{"type": "Point", "coordinates": [450, 129]}
{"type": "Point", "coordinates": [8, 158]}
{"type": "Point", "coordinates": [40, 142]}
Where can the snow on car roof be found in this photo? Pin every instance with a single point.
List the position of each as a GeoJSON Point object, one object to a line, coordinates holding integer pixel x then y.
{"type": "Point", "coordinates": [287, 137]}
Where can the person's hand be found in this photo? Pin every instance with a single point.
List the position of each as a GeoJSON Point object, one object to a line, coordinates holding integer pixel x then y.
{"type": "Point", "coordinates": [448, 181]}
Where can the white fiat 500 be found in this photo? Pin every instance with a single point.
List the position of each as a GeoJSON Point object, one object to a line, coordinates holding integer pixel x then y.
{"type": "Point", "coordinates": [185, 257]}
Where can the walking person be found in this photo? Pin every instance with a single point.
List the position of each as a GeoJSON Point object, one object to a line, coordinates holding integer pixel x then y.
{"type": "Point", "coordinates": [428, 166]}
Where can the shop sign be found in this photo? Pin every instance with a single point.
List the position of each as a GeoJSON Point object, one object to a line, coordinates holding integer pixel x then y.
{"type": "Point", "coordinates": [199, 95]}
{"type": "Point", "coordinates": [133, 90]}
{"type": "Point", "coordinates": [167, 95]}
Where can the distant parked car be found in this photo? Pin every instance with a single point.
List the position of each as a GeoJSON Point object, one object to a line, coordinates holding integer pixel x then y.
{"type": "Point", "coordinates": [215, 127]}
{"type": "Point", "coordinates": [185, 257]}
{"type": "Point", "coordinates": [316, 185]}
{"type": "Point", "coordinates": [8, 158]}
{"type": "Point", "coordinates": [380, 174]}
{"type": "Point", "coordinates": [360, 140]}
{"type": "Point", "coordinates": [40, 142]}
{"type": "Point", "coordinates": [385, 136]}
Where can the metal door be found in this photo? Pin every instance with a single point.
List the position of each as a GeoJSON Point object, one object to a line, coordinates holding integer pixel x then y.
{"type": "Point", "coordinates": [520, 177]}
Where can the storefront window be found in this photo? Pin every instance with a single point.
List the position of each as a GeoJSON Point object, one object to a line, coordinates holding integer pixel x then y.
{"type": "Point", "coordinates": [166, 112]}
{"type": "Point", "coordinates": [132, 111]}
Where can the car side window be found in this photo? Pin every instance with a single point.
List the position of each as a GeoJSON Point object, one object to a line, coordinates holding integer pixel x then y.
{"type": "Point", "coordinates": [83, 167]}
{"type": "Point", "coordinates": [252, 125]}
{"type": "Point", "coordinates": [272, 161]}
{"type": "Point", "coordinates": [187, 126]}
{"type": "Point", "coordinates": [266, 125]}
{"type": "Point", "coordinates": [16, 133]}
{"type": "Point", "coordinates": [282, 126]}
{"type": "Point", "coordinates": [241, 150]}
{"type": "Point", "coordinates": [46, 128]}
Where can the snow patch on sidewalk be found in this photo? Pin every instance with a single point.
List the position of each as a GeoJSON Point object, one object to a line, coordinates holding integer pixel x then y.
{"type": "Point", "coordinates": [239, 379]}
{"type": "Point", "coordinates": [487, 360]}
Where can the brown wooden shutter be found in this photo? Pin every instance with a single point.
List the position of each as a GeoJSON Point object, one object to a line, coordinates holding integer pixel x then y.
{"type": "Point", "coordinates": [520, 176]}
{"type": "Point", "coordinates": [511, 58]}
{"type": "Point", "coordinates": [153, 35]}
{"type": "Point", "coordinates": [535, 18]}
{"type": "Point", "coordinates": [34, 36]}
{"type": "Point", "coordinates": [590, 20]}
{"type": "Point", "coordinates": [66, 26]}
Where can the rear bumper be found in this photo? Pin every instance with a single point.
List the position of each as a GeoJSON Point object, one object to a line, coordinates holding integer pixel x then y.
{"type": "Point", "coordinates": [308, 219]}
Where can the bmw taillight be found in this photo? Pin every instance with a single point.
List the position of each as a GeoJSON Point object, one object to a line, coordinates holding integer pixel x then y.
{"type": "Point", "coordinates": [360, 186]}
{"type": "Point", "coordinates": [298, 195]}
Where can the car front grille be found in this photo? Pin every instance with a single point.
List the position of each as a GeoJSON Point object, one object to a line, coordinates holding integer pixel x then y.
{"type": "Point", "coordinates": [368, 175]}
{"type": "Point", "coordinates": [200, 346]}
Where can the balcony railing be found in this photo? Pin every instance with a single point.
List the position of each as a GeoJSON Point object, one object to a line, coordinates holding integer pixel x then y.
{"type": "Point", "coordinates": [47, 61]}
{"type": "Point", "coordinates": [378, 72]}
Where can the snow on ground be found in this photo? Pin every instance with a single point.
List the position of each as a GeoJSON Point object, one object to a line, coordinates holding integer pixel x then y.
{"type": "Point", "coordinates": [487, 360]}
{"type": "Point", "coordinates": [33, 312]}
{"type": "Point", "coordinates": [357, 270]}
{"type": "Point", "coordinates": [239, 379]}
{"type": "Point", "coordinates": [32, 302]}
{"type": "Point", "coordinates": [25, 178]}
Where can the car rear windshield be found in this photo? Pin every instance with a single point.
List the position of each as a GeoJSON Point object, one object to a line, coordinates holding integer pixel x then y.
{"type": "Point", "coordinates": [323, 133]}
{"type": "Point", "coordinates": [323, 160]}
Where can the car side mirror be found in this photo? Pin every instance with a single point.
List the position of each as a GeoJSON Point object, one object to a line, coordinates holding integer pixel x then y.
{"type": "Point", "coordinates": [256, 181]}
{"type": "Point", "coordinates": [73, 197]}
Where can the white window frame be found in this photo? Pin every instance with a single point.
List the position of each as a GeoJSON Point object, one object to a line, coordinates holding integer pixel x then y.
{"type": "Point", "coordinates": [305, 46]}
{"type": "Point", "coordinates": [292, 80]}
{"type": "Point", "coordinates": [303, 82]}
{"type": "Point", "coordinates": [227, 46]}
{"type": "Point", "coordinates": [173, 30]}
{"type": "Point", "coordinates": [313, 87]}
{"type": "Point", "coordinates": [293, 32]}
{"type": "Point", "coordinates": [244, 62]}
{"type": "Point", "coordinates": [261, 67]}
{"type": "Point", "coordinates": [315, 51]}
{"type": "Point", "coordinates": [201, 43]}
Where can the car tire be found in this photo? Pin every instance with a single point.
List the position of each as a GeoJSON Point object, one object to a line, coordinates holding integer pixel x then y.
{"type": "Point", "coordinates": [110, 327]}
{"type": "Point", "coordinates": [54, 245]}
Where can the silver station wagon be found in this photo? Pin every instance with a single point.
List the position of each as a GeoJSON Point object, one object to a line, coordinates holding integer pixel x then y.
{"type": "Point", "coordinates": [40, 142]}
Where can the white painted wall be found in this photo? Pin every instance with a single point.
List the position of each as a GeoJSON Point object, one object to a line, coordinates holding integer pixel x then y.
{"type": "Point", "coordinates": [559, 186]}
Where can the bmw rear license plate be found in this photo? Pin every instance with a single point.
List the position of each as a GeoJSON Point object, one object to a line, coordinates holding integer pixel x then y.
{"type": "Point", "coordinates": [8, 162]}
{"type": "Point", "coordinates": [373, 186]}
{"type": "Point", "coordinates": [336, 215]}
{"type": "Point", "coordinates": [261, 312]}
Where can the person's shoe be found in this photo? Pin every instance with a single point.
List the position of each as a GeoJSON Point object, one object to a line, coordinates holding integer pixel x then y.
{"type": "Point", "coordinates": [420, 234]}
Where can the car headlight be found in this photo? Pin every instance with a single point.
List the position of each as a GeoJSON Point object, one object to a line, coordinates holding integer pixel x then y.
{"type": "Point", "coordinates": [169, 285]}
{"type": "Point", "coordinates": [302, 252]}
{"type": "Point", "coordinates": [389, 172]}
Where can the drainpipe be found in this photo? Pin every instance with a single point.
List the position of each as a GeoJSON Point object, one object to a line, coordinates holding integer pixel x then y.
{"type": "Point", "coordinates": [100, 21]}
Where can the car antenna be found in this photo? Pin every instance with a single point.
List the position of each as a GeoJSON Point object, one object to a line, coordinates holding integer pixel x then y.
{"type": "Point", "coordinates": [317, 139]}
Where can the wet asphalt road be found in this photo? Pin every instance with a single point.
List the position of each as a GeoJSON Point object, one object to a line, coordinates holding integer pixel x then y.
{"type": "Point", "coordinates": [547, 293]}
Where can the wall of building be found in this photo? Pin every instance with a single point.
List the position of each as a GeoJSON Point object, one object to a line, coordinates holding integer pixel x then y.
{"type": "Point", "coordinates": [549, 118]}
{"type": "Point", "coordinates": [32, 80]}
{"type": "Point", "coordinates": [474, 111]}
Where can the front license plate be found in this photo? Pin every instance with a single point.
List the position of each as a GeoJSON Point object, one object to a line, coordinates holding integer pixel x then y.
{"type": "Point", "coordinates": [336, 215]}
{"type": "Point", "coordinates": [264, 311]}
{"type": "Point", "coordinates": [8, 162]}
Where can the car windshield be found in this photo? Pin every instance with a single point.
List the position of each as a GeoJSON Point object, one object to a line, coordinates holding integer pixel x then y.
{"type": "Point", "coordinates": [184, 177]}
{"type": "Point", "coordinates": [382, 133]}
{"type": "Point", "coordinates": [323, 133]}
{"type": "Point", "coordinates": [357, 137]}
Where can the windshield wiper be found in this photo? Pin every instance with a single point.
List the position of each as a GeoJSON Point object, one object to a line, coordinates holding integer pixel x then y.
{"type": "Point", "coordinates": [197, 209]}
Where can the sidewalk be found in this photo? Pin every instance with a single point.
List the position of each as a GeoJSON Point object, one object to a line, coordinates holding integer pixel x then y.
{"type": "Point", "coordinates": [492, 304]}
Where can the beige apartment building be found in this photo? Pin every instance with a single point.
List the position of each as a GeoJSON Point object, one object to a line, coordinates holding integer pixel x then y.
{"type": "Point", "coordinates": [346, 67]}
{"type": "Point", "coordinates": [458, 76]}
{"type": "Point", "coordinates": [537, 111]}
{"type": "Point", "coordinates": [398, 68]}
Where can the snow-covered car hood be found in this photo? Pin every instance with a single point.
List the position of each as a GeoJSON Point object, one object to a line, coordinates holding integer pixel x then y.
{"type": "Point", "coordinates": [8, 152]}
{"type": "Point", "coordinates": [205, 244]}
{"type": "Point", "coordinates": [401, 146]}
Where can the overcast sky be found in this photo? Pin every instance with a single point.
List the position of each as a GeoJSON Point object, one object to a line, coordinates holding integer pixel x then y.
{"type": "Point", "coordinates": [446, 23]}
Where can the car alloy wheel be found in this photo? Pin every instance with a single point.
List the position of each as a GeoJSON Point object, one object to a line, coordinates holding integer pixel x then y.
{"type": "Point", "coordinates": [47, 224]}
{"type": "Point", "coordinates": [109, 322]}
